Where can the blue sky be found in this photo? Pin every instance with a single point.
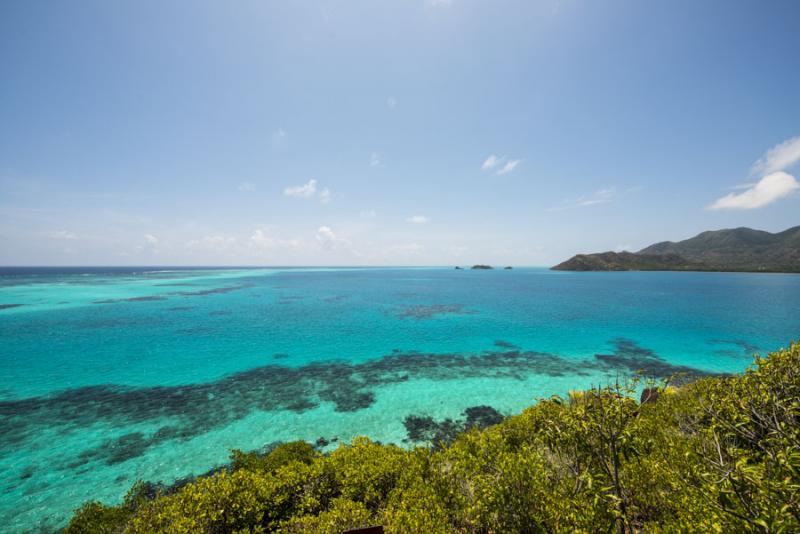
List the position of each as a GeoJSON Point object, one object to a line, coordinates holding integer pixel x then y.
{"type": "Point", "coordinates": [418, 132]}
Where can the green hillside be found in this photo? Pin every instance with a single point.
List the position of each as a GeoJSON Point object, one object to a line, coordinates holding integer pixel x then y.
{"type": "Point", "coordinates": [740, 249]}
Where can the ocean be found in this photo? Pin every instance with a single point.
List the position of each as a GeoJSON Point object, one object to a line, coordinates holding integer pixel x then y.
{"type": "Point", "coordinates": [112, 375]}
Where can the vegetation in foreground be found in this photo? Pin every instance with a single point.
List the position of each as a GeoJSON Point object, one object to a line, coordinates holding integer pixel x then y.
{"type": "Point", "coordinates": [716, 455]}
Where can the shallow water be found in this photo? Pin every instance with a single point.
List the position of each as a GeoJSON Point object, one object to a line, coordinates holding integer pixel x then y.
{"type": "Point", "coordinates": [112, 375]}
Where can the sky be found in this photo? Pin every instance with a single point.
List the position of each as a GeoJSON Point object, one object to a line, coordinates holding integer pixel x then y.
{"type": "Point", "coordinates": [415, 132]}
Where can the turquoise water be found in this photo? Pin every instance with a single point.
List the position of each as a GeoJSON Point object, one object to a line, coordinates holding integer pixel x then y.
{"type": "Point", "coordinates": [112, 375]}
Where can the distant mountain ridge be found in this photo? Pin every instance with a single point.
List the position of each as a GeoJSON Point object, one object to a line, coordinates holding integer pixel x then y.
{"type": "Point", "coordinates": [737, 249]}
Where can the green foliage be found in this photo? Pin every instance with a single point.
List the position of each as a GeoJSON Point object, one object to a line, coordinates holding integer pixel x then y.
{"type": "Point", "coordinates": [341, 515]}
{"type": "Point", "coordinates": [716, 455]}
{"type": "Point", "coordinates": [97, 518]}
{"type": "Point", "coordinates": [295, 451]}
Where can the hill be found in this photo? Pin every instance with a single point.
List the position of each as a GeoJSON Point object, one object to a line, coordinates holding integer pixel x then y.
{"type": "Point", "coordinates": [738, 249]}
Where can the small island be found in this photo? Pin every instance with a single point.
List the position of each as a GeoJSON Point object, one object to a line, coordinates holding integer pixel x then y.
{"type": "Point", "coordinates": [481, 266]}
{"type": "Point", "coordinates": [734, 250]}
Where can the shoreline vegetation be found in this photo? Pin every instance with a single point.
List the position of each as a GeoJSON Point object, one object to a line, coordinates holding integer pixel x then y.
{"type": "Point", "coordinates": [734, 250]}
{"type": "Point", "coordinates": [718, 454]}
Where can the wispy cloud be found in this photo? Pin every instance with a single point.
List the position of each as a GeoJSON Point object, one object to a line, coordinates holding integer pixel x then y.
{"type": "Point", "coordinates": [246, 187]}
{"type": "Point", "coordinates": [774, 184]}
{"type": "Point", "coordinates": [264, 239]}
{"type": "Point", "coordinates": [418, 219]}
{"type": "Point", "coordinates": [150, 244]}
{"type": "Point", "coordinates": [490, 162]}
{"type": "Point", "coordinates": [778, 158]}
{"type": "Point", "coordinates": [211, 243]}
{"type": "Point", "coordinates": [374, 160]}
{"type": "Point", "coordinates": [493, 161]}
{"type": "Point", "coordinates": [63, 234]}
{"type": "Point", "coordinates": [329, 240]}
{"type": "Point", "coordinates": [509, 166]}
{"type": "Point", "coordinates": [307, 190]}
{"type": "Point", "coordinates": [601, 196]}
{"type": "Point", "coordinates": [769, 189]}
{"type": "Point", "coordinates": [391, 102]}
{"type": "Point", "coordinates": [325, 195]}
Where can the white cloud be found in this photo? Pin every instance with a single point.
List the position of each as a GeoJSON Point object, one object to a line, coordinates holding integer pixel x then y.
{"type": "Point", "coordinates": [63, 234]}
{"type": "Point", "coordinates": [778, 158]}
{"type": "Point", "coordinates": [418, 219]}
{"type": "Point", "coordinates": [490, 162]}
{"type": "Point", "coordinates": [774, 183]}
{"type": "Point", "coordinates": [769, 189]}
{"type": "Point", "coordinates": [325, 195]}
{"type": "Point", "coordinates": [262, 238]}
{"type": "Point", "coordinates": [746, 185]}
{"type": "Point", "coordinates": [325, 235]}
{"type": "Point", "coordinates": [391, 102]}
{"type": "Point", "coordinates": [509, 166]}
{"type": "Point", "coordinates": [374, 159]}
{"type": "Point", "coordinates": [150, 244]}
{"type": "Point", "coordinates": [328, 239]}
{"type": "Point", "coordinates": [246, 186]}
{"type": "Point", "coordinates": [493, 161]}
{"type": "Point", "coordinates": [308, 189]}
{"type": "Point", "coordinates": [601, 196]}
{"type": "Point", "coordinates": [213, 243]}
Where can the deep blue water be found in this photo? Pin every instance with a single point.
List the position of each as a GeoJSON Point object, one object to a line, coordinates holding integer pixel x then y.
{"type": "Point", "coordinates": [108, 375]}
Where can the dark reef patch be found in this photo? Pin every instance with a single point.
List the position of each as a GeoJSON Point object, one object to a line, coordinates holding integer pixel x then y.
{"type": "Point", "coordinates": [213, 291]}
{"type": "Point", "coordinates": [27, 472]}
{"type": "Point", "coordinates": [743, 347]}
{"type": "Point", "coordinates": [9, 306]}
{"type": "Point", "coordinates": [196, 331]}
{"type": "Point", "coordinates": [630, 357]}
{"type": "Point", "coordinates": [504, 344]}
{"type": "Point", "coordinates": [219, 313]}
{"type": "Point", "coordinates": [425, 429]}
{"type": "Point", "coordinates": [112, 322]}
{"type": "Point", "coordinates": [149, 298]}
{"type": "Point", "coordinates": [482, 416]}
{"type": "Point", "coordinates": [429, 311]}
{"type": "Point", "coordinates": [280, 356]}
{"type": "Point", "coordinates": [184, 411]}
{"type": "Point", "coordinates": [180, 308]}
